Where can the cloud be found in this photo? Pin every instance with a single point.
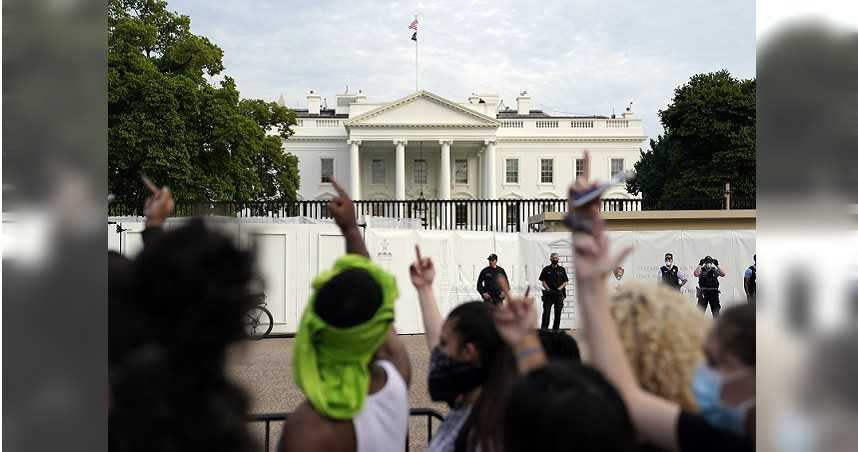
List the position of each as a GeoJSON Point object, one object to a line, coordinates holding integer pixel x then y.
{"type": "Point", "coordinates": [582, 57]}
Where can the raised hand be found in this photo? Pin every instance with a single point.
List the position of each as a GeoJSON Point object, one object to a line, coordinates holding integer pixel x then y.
{"type": "Point", "coordinates": [159, 205]}
{"type": "Point", "coordinates": [515, 319]}
{"type": "Point", "coordinates": [342, 208]}
{"type": "Point", "coordinates": [593, 261]}
{"type": "Point", "coordinates": [422, 271]}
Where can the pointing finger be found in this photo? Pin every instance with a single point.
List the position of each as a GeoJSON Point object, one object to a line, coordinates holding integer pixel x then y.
{"type": "Point", "coordinates": [338, 188]}
{"type": "Point", "coordinates": [148, 182]}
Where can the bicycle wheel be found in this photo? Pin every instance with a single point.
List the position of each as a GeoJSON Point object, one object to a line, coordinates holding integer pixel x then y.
{"type": "Point", "coordinates": [258, 323]}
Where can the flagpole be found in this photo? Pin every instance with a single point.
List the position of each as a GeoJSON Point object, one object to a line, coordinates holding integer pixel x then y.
{"type": "Point", "coordinates": [416, 60]}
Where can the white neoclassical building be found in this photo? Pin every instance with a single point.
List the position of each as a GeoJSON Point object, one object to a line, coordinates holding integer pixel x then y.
{"type": "Point", "coordinates": [425, 145]}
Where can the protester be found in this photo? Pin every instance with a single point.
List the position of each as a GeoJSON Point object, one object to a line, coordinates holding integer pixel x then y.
{"type": "Point", "coordinates": [661, 333]}
{"type": "Point", "coordinates": [348, 360]}
{"type": "Point", "coordinates": [557, 406]}
{"type": "Point", "coordinates": [471, 369]}
{"type": "Point", "coordinates": [487, 282]}
{"type": "Point", "coordinates": [554, 279]}
{"type": "Point", "coordinates": [724, 386]}
{"type": "Point", "coordinates": [750, 281]}
{"type": "Point", "coordinates": [560, 346]}
{"type": "Point", "coordinates": [175, 310]}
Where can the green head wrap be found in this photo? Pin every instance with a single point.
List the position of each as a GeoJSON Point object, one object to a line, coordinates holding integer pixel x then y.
{"type": "Point", "coordinates": [331, 364]}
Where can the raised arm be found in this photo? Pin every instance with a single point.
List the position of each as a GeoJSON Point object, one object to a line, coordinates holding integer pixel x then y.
{"type": "Point", "coordinates": [422, 275]}
{"type": "Point", "coordinates": [158, 207]}
{"type": "Point", "coordinates": [516, 323]}
{"type": "Point", "coordinates": [343, 210]}
{"type": "Point", "coordinates": [654, 418]}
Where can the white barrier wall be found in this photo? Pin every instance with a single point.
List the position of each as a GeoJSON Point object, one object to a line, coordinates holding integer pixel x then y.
{"type": "Point", "coordinates": [291, 255]}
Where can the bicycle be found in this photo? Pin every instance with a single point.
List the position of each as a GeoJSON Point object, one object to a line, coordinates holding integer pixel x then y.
{"type": "Point", "coordinates": [258, 320]}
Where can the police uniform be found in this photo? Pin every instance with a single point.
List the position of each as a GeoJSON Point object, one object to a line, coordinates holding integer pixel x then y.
{"type": "Point", "coordinates": [553, 277]}
{"type": "Point", "coordinates": [670, 276]}
{"type": "Point", "coordinates": [708, 290]}
{"type": "Point", "coordinates": [751, 276]}
{"type": "Point", "coordinates": [488, 283]}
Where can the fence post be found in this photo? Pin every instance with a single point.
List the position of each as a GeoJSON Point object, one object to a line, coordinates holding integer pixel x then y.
{"type": "Point", "coordinates": [727, 194]}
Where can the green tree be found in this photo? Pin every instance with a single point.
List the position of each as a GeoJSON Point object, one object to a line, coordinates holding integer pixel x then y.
{"type": "Point", "coordinates": [709, 139]}
{"type": "Point", "coordinates": [166, 120]}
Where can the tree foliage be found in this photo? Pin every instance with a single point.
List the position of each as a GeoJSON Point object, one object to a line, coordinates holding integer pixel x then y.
{"type": "Point", "coordinates": [709, 139]}
{"type": "Point", "coordinates": [166, 120]}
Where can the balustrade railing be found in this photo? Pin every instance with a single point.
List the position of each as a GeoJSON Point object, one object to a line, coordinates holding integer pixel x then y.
{"type": "Point", "coordinates": [501, 215]}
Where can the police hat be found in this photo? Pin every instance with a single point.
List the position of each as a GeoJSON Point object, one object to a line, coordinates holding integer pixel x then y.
{"type": "Point", "coordinates": [668, 255]}
{"type": "Point", "coordinates": [493, 257]}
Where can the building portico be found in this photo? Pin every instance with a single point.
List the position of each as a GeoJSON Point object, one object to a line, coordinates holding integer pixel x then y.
{"type": "Point", "coordinates": [425, 146]}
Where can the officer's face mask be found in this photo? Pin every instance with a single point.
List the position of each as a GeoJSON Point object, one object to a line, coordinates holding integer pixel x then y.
{"type": "Point", "coordinates": [668, 263]}
{"type": "Point", "coordinates": [449, 378]}
{"type": "Point", "coordinates": [707, 386]}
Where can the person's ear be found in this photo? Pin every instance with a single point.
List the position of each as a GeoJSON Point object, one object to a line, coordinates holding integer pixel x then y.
{"type": "Point", "coordinates": [469, 352]}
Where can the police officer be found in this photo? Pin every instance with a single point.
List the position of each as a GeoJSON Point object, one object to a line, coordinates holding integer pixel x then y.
{"type": "Point", "coordinates": [554, 281]}
{"type": "Point", "coordinates": [751, 282]}
{"type": "Point", "coordinates": [708, 271]}
{"type": "Point", "coordinates": [487, 283]}
{"type": "Point", "coordinates": [670, 275]}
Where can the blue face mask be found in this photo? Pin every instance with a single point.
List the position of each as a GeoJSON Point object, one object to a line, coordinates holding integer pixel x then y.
{"type": "Point", "coordinates": [707, 386]}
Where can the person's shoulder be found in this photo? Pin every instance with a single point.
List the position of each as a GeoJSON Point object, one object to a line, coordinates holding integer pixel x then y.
{"type": "Point", "coordinates": [306, 429]}
{"type": "Point", "coordinates": [694, 433]}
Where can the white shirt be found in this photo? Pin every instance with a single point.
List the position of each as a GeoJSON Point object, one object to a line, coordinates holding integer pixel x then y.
{"type": "Point", "coordinates": [382, 423]}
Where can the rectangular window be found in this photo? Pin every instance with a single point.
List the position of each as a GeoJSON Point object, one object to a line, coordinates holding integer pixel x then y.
{"type": "Point", "coordinates": [378, 172]}
{"type": "Point", "coordinates": [579, 168]}
{"type": "Point", "coordinates": [512, 171]}
{"type": "Point", "coordinates": [461, 171]}
{"type": "Point", "coordinates": [420, 172]}
{"type": "Point", "coordinates": [327, 170]}
{"type": "Point", "coordinates": [512, 217]}
{"type": "Point", "coordinates": [546, 171]}
{"type": "Point", "coordinates": [616, 167]}
{"type": "Point", "coordinates": [461, 215]}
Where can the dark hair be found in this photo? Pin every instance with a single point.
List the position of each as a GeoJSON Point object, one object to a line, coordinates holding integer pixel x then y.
{"type": "Point", "coordinates": [736, 331]}
{"type": "Point", "coordinates": [169, 388]}
{"type": "Point", "coordinates": [668, 255]}
{"type": "Point", "coordinates": [474, 323]}
{"type": "Point", "coordinates": [348, 299]}
{"type": "Point", "coordinates": [560, 346]}
{"type": "Point", "coordinates": [566, 407]}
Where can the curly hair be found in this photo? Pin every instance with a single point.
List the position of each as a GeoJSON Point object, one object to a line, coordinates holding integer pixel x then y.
{"type": "Point", "coordinates": [662, 335]}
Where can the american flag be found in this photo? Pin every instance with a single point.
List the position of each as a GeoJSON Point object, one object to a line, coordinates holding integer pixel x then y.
{"type": "Point", "coordinates": [413, 25]}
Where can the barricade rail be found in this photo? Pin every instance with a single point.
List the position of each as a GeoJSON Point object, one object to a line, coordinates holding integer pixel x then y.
{"type": "Point", "coordinates": [429, 413]}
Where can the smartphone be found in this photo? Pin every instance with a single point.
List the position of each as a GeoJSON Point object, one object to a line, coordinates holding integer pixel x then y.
{"type": "Point", "coordinates": [586, 197]}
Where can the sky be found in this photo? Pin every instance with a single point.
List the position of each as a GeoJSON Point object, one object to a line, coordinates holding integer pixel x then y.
{"type": "Point", "coordinates": [573, 57]}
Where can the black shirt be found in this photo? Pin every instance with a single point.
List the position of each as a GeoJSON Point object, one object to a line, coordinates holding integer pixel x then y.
{"type": "Point", "coordinates": [554, 277]}
{"type": "Point", "coordinates": [696, 435]}
{"type": "Point", "coordinates": [487, 282]}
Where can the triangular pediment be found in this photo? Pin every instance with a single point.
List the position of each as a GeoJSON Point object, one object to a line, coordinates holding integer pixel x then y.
{"type": "Point", "coordinates": [422, 109]}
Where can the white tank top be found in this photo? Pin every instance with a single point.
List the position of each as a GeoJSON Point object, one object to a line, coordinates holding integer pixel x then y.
{"type": "Point", "coordinates": [382, 423]}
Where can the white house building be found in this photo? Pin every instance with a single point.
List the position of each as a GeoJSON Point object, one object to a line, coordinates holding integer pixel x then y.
{"type": "Point", "coordinates": [425, 145]}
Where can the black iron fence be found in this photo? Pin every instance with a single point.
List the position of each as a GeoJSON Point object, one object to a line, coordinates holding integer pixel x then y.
{"type": "Point", "coordinates": [500, 215]}
{"type": "Point", "coordinates": [428, 413]}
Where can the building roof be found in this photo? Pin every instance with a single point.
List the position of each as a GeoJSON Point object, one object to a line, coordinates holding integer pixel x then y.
{"type": "Point", "coordinates": [323, 113]}
{"type": "Point", "coordinates": [513, 114]}
{"type": "Point", "coordinates": [503, 114]}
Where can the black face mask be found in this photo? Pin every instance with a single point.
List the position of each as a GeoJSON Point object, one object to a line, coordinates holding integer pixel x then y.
{"type": "Point", "coordinates": [449, 378]}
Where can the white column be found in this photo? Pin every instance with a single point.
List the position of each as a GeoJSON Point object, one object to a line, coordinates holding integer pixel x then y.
{"type": "Point", "coordinates": [491, 170]}
{"type": "Point", "coordinates": [444, 174]}
{"type": "Point", "coordinates": [354, 162]}
{"type": "Point", "coordinates": [400, 169]}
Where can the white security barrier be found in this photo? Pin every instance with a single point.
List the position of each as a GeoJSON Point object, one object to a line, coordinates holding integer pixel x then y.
{"type": "Point", "coordinates": [291, 255]}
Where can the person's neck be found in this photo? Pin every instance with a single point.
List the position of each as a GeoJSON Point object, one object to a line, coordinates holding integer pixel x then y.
{"type": "Point", "coordinates": [471, 397]}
